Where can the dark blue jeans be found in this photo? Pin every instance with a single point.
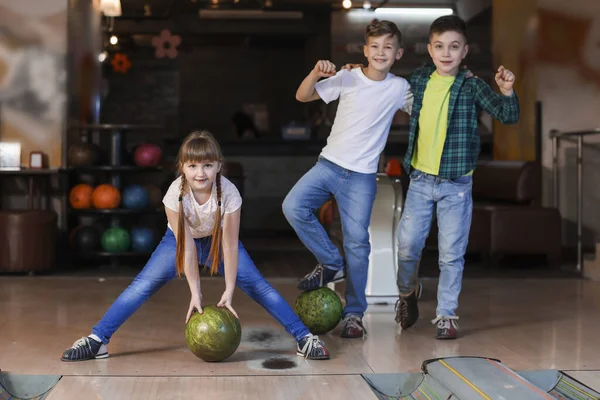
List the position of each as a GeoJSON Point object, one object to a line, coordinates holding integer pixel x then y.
{"type": "Point", "coordinates": [160, 270]}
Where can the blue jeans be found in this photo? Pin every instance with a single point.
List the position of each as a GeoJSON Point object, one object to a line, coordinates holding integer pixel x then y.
{"type": "Point", "coordinates": [160, 270]}
{"type": "Point", "coordinates": [452, 200]}
{"type": "Point", "coordinates": [354, 193]}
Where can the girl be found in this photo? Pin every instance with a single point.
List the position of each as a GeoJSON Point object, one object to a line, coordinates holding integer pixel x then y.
{"type": "Point", "coordinates": [203, 212]}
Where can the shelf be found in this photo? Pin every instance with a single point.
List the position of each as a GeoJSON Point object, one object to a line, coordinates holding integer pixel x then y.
{"type": "Point", "coordinates": [116, 127]}
{"type": "Point", "coordinates": [30, 171]}
{"type": "Point", "coordinates": [116, 211]}
{"type": "Point", "coordinates": [118, 254]}
{"type": "Point", "coordinates": [116, 168]}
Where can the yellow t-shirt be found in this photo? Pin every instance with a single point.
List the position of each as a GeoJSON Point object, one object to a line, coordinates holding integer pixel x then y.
{"type": "Point", "coordinates": [433, 124]}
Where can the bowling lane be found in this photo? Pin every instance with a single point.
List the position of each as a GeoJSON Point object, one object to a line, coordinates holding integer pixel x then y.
{"type": "Point", "coordinates": [46, 315]}
{"type": "Point", "coordinates": [520, 322]}
{"type": "Point", "coordinates": [249, 388]}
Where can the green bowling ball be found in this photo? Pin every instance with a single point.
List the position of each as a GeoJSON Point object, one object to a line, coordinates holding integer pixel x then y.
{"type": "Point", "coordinates": [115, 240]}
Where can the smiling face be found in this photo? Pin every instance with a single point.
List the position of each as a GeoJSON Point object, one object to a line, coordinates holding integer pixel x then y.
{"type": "Point", "coordinates": [200, 160]}
{"type": "Point", "coordinates": [201, 175]}
{"type": "Point", "coordinates": [382, 52]}
{"type": "Point", "coordinates": [447, 50]}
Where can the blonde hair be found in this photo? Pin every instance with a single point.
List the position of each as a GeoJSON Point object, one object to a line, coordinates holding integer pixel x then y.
{"type": "Point", "coordinates": [199, 146]}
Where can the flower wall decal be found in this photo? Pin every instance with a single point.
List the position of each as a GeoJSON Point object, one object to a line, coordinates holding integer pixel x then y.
{"type": "Point", "coordinates": [166, 44]}
{"type": "Point", "coordinates": [121, 63]}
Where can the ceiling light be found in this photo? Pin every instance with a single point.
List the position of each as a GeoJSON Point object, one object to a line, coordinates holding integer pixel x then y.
{"type": "Point", "coordinates": [415, 11]}
{"type": "Point", "coordinates": [111, 8]}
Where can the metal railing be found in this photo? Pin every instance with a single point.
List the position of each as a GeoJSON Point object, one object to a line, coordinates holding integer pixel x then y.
{"type": "Point", "coordinates": [556, 137]}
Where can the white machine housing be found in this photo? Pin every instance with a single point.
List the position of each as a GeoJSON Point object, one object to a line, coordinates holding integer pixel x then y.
{"type": "Point", "coordinates": [383, 260]}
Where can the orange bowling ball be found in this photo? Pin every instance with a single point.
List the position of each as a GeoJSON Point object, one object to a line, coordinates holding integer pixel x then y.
{"type": "Point", "coordinates": [80, 196]}
{"type": "Point", "coordinates": [393, 168]}
{"type": "Point", "coordinates": [106, 196]}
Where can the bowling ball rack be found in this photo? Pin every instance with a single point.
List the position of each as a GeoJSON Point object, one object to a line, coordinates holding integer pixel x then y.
{"type": "Point", "coordinates": [116, 167]}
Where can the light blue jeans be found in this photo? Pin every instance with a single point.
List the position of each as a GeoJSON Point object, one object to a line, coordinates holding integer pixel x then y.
{"type": "Point", "coordinates": [160, 270]}
{"type": "Point", "coordinates": [452, 201]}
{"type": "Point", "coordinates": [354, 194]}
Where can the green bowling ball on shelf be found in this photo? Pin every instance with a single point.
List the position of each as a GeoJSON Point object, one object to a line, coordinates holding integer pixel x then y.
{"type": "Point", "coordinates": [115, 240]}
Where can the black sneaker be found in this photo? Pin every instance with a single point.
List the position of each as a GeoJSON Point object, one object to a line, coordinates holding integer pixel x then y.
{"type": "Point", "coordinates": [447, 327]}
{"type": "Point", "coordinates": [320, 277]}
{"type": "Point", "coordinates": [85, 348]}
{"type": "Point", "coordinates": [353, 327]}
{"type": "Point", "coordinates": [407, 309]}
{"type": "Point", "coordinates": [312, 348]}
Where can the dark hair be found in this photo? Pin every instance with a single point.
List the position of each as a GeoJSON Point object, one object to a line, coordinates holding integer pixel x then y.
{"type": "Point", "coordinates": [199, 146]}
{"type": "Point", "coordinates": [448, 23]}
{"type": "Point", "coordinates": [381, 28]}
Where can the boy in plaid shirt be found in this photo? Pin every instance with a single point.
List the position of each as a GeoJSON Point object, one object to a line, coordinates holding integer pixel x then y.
{"type": "Point", "coordinates": [441, 156]}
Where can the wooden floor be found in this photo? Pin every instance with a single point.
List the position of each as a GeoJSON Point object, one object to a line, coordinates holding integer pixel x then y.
{"type": "Point", "coordinates": [526, 323]}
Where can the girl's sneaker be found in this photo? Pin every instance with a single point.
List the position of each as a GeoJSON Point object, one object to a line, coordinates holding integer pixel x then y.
{"type": "Point", "coordinates": [312, 348]}
{"type": "Point", "coordinates": [85, 348]}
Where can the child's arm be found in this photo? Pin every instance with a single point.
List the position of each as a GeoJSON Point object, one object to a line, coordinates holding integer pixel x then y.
{"type": "Point", "coordinates": [231, 230]}
{"type": "Point", "coordinates": [503, 107]}
{"type": "Point", "coordinates": [306, 91]}
{"type": "Point", "coordinates": [409, 99]}
{"type": "Point", "coordinates": [190, 268]}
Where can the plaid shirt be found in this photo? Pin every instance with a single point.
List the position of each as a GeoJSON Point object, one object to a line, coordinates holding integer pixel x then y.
{"type": "Point", "coordinates": [462, 145]}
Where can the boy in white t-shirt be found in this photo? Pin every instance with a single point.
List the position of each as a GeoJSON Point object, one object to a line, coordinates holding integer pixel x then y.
{"type": "Point", "coordinates": [347, 166]}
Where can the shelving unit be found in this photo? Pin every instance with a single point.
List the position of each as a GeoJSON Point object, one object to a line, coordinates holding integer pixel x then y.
{"type": "Point", "coordinates": [114, 137]}
{"type": "Point", "coordinates": [115, 168]}
{"type": "Point", "coordinates": [115, 211]}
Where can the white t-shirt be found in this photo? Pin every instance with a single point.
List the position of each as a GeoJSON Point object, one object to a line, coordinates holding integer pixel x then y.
{"type": "Point", "coordinates": [364, 116]}
{"type": "Point", "coordinates": [201, 218]}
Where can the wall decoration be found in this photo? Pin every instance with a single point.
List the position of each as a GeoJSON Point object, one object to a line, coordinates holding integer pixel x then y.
{"type": "Point", "coordinates": [10, 155]}
{"type": "Point", "coordinates": [121, 63]}
{"type": "Point", "coordinates": [166, 44]}
{"type": "Point", "coordinates": [33, 44]}
{"type": "Point", "coordinates": [564, 42]}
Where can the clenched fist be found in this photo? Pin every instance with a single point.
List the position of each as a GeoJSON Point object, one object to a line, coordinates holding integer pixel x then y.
{"type": "Point", "coordinates": [505, 80]}
{"type": "Point", "coordinates": [324, 69]}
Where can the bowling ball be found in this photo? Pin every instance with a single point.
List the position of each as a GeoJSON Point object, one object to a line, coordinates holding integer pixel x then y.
{"type": "Point", "coordinates": [142, 239]}
{"type": "Point", "coordinates": [87, 238]}
{"type": "Point", "coordinates": [155, 195]}
{"type": "Point", "coordinates": [80, 196]}
{"type": "Point", "coordinates": [81, 154]}
{"type": "Point", "coordinates": [147, 155]}
{"type": "Point", "coordinates": [106, 196]}
{"type": "Point", "coordinates": [328, 212]}
{"type": "Point", "coordinates": [115, 240]}
{"type": "Point", "coordinates": [135, 196]}
{"type": "Point", "coordinates": [213, 335]}
{"type": "Point", "coordinates": [393, 168]}
{"type": "Point", "coordinates": [320, 310]}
